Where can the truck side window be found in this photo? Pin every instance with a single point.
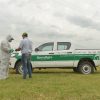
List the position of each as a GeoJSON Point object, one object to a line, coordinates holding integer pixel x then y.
{"type": "Point", "coordinates": [46, 47]}
{"type": "Point", "coordinates": [63, 45]}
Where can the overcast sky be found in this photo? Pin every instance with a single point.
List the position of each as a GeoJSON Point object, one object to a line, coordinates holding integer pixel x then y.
{"type": "Point", "coordinates": [77, 21]}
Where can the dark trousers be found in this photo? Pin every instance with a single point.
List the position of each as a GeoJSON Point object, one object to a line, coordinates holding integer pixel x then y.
{"type": "Point", "coordinates": [26, 63]}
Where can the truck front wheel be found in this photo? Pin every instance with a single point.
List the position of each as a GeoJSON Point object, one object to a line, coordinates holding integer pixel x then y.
{"type": "Point", "coordinates": [19, 68]}
{"type": "Point", "coordinates": [86, 67]}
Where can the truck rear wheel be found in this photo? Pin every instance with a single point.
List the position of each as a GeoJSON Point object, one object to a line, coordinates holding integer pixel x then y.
{"type": "Point", "coordinates": [86, 67]}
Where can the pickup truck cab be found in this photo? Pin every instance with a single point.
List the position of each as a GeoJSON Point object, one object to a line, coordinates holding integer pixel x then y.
{"type": "Point", "coordinates": [60, 55]}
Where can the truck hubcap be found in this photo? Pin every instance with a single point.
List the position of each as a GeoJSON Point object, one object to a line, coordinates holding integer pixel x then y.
{"type": "Point", "coordinates": [86, 69]}
{"type": "Point", "coordinates": [20, 69]}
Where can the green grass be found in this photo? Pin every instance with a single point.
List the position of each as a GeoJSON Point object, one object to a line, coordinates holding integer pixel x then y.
{"type": "Point", "coordinates": [51, 84]}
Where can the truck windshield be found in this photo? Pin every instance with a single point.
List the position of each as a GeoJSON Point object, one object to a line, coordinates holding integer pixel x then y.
{"type": "Point", "coordinates": [46, 47]}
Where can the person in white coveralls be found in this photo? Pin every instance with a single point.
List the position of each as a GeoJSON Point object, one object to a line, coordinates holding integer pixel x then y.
{"type": "Point", "coordinates": [5, 54]}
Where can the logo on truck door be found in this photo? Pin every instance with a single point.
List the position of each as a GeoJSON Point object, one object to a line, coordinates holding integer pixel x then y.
{"type": "Point", "coordinates": [44, 57]}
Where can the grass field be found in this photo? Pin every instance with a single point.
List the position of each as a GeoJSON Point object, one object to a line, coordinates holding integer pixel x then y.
{"type": "Point", "coordinates": [51, 84]}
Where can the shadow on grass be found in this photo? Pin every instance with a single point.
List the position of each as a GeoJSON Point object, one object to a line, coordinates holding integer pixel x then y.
{"type": "Point", "coordinates": [43, 72]}
{"type": "Point", "coordinates": [62, 71]}
{"type": "Point", "coordinates": [54, 71]}
{"type": "Point", "coordinates": [97, 72]}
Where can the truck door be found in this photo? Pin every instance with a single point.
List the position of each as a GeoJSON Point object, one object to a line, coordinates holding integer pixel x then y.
{"type": "Point", "coordinates": [43, 55]}
{"type": "Point", "coordinates": [64, 55]}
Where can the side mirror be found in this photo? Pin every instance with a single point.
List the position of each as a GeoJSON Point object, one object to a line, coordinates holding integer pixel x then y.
{"type": "Point", "coordinates": [36, 49]}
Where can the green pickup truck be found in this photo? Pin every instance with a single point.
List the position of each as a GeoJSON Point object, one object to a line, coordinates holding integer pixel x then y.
{"type": "Point", "coordinates": [60, 55]}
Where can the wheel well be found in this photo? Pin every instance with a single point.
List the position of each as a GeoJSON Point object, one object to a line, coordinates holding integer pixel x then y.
{"type": "Point", "coordinates": [16, 63]}
{"type": "Point", "coordinates": [87, 59]}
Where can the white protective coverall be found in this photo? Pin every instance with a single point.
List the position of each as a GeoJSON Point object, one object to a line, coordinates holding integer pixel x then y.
{"type": "Point", "coordinates": [5, 57]}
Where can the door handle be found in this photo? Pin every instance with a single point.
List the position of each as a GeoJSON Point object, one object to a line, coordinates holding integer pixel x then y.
{"type": "Point", "coordinates": [51, 53]}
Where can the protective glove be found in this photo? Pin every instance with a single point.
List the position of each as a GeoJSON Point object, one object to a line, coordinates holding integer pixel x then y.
{"type": "Point", "coordinates": [11, 50]}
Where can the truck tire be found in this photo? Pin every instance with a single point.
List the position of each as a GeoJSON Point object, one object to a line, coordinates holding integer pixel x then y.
{"type": "Point", "coordinates": [86, 67]}
{"type": "Point", "coordinates": [19, 69]}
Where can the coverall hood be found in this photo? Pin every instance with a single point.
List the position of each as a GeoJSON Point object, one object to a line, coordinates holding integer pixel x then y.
{"type": "Point", "coordinates": [9, 38]}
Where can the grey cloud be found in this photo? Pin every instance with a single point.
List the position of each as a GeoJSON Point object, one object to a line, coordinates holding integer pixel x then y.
{"type": "Point", "coordinates": [19, 3]}
{"type": "Point", "coordinates": [89, 39]}
{"type": "Point", "coordinates": [54, 35]}
{"type": "Point", "coordinates": [46, 20]}
{"type": "Point", "coordinates": [84, 22]}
